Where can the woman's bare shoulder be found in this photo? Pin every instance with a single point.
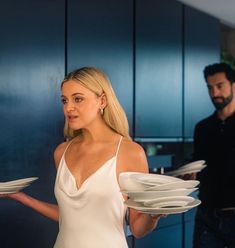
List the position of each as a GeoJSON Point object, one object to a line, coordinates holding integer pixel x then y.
{"type": "Point", "coordinates": [132, 146]}
{"type": "Point", "coordinates": [133, 157]}
{"type": "Point", "coordinates": [59, 150]}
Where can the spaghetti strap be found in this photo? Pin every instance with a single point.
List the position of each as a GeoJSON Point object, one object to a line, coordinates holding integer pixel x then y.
{"type": "Point", "coordinates": [66, 148]}
{"type": "Point", "coordinates": [119, 143]}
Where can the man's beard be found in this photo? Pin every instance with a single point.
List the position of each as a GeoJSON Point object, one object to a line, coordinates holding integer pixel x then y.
{"type": "Point", "coordinates": [224, 101]}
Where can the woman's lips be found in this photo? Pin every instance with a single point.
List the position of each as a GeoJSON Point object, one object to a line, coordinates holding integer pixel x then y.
{"type": "Point", "coordinates": [72, 118]}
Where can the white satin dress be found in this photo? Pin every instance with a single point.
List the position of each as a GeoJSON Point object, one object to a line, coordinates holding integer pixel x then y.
{"type": "Point", "coordinates": [93, 215]}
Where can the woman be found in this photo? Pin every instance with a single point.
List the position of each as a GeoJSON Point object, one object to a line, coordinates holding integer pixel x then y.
{"type": "Point", "coordinates": [91, 210]}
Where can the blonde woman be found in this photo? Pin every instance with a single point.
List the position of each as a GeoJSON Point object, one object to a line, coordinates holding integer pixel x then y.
{"type": "Point", "coordinates": [91, 210]}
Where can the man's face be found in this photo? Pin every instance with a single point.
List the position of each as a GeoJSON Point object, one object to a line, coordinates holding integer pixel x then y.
{"type": "Point", "coordinates": [220, 90]}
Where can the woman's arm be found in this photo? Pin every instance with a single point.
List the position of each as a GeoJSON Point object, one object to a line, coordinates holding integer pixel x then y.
{"type": "Point", "coordinates": [132, 158]}
{"type": "Point", "coordinates": [141, 224]}
{"type": "Point", "coordinates": [47, 209]}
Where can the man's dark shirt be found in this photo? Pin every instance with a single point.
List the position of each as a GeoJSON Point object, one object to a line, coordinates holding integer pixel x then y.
{"type": "Point", "coordinates": [214, 141]}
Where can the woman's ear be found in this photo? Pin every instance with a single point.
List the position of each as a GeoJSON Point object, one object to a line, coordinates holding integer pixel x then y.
{"type": "Point", "coordinates": [103, 100]}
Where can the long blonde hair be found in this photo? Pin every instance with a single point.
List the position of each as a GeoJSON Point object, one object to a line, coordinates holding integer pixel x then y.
{"type": "Point", "coordinates": [97, 82]}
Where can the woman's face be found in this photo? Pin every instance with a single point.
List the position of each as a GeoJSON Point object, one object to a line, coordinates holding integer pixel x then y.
{"type": "Point", "coordinates": [80, 105]}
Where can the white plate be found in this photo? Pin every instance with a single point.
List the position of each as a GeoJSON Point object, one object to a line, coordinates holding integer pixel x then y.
{"type": "Point", "coordinates": [183, 171]}
{"type": "Point", "coordinates": [174, 185]}
{"type": "Point", "coordinates": [8, 192]}
{"type": "Point", "coordinates": [141, 196]}
{"type": "Point", "coordinates": [196, 166]}
{"type": "Point", "coordinates": [127, 182]}
{"type": "Point", "coordinates": [18, 182]}
{"type": "Point", "coordinates": [154, 179]}
{"type": "Point", "coordinates": [164, 210]}
{"type": "Point", "coordinates": [137, 181]}
{"type": "Point", "coordinates": [173, 201]}
{"type": "Point", "coordinates": [14, 188]}
{"type": "Point", "coordinates": [193, 164]}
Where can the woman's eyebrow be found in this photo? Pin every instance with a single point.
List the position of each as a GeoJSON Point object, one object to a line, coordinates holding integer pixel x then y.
{"type": "Point", "coordinates": [74, 94]}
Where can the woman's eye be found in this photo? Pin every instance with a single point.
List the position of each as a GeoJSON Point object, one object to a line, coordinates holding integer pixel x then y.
{"type": "Point", "coordinates": [63, 101]}
{"type": "Point", "coordinates": [78, 99]}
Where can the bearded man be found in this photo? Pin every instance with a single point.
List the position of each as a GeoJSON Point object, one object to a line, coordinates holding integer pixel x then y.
{"type": "Point", "coordinates": [214, 142]}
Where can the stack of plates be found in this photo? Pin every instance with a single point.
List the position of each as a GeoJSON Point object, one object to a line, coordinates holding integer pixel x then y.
{"type": "Point", "coordinates": [15, 185]}
{"type": "Point", "coordinates": [158, 194]}
{"type": "Point", "coordinates": [193, 167]}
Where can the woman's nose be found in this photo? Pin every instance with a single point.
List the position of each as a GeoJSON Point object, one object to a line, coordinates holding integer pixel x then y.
{"type": "Point", "coordinates": [69, 107]}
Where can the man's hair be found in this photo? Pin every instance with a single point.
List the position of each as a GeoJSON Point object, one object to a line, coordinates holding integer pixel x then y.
{"type": "Point", "coordinates": [211, 70]}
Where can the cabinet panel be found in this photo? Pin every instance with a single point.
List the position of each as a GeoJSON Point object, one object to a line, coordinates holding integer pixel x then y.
{"type": "Point", "coordinates": [31, 68]}
{"type": "Point", "coordinates": [162, 237]}
{"type": "Point", "coordinates": [189, 218]}
{"type": "Point", "coordinates": [188, 229]}
{"type": "Point", "coordinates": [188, 235]}
{"type": "Point", "coordinates": [202, 47]}
{"type": "Point", "coordinates": [100, 34]}
{"type": "Point", "coordinates": [158, 68]}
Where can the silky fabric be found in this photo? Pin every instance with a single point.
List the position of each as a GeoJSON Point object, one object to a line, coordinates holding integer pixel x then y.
{"type": "Point", "coordinates": [93, 215]}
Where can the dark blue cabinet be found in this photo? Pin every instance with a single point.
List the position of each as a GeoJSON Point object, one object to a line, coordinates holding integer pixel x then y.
{"type": "Point", "coordinates": [173, 44]}
{"type": "Point", "coordinates": [158, 103]}
{"type": "Point", "coordinates": [188, 224]}
{"type": "Point", "coordinates": [202, 47]}
{"type": "Point", "coordinates": [100, 34]}
{"type": "Point", "coordinates": [167, 234]}
{"type": "Point", "coordinates": [163, 238]}
{"type": "Point", "coordinates": [31, 66]}
{"type": "Point", "coordinates": [189, 228]}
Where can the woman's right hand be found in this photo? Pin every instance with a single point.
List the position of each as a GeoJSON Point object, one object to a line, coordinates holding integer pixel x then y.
{"type": "Point", "coordinates": [189, 176]}
{"type": "Point", "coordinates": [47, 209]}
{"type": "Point", "coordinates": [14, 196]}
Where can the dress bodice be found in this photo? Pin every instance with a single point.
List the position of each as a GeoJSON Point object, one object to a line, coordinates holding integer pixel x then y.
{"type": "Point", "coordinates": [91, 216]}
